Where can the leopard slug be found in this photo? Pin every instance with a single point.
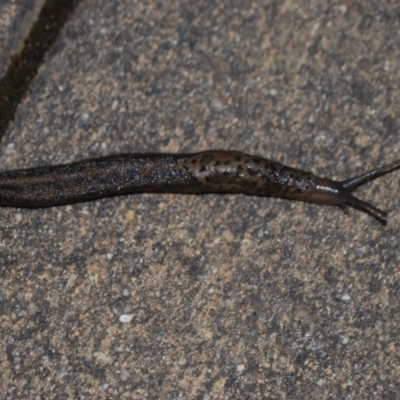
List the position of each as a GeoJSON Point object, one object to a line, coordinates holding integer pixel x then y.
{"type": "Point", "coordinates": [204, 172]}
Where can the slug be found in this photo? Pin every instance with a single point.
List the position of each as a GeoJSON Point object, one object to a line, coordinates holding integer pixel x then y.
{"type": "Point", "coordinates": [204, 172]}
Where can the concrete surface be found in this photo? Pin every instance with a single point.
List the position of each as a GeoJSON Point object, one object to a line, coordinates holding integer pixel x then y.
{"type": "Point", "coordinates": [208, 297]}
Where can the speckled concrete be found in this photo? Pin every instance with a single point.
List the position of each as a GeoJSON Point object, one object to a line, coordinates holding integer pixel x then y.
{"type": "Point", "coordinates": [208, 297]}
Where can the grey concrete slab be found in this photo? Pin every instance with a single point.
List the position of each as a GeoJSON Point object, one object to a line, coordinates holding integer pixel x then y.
{"type": "Point", "coordinates": [168, 296]}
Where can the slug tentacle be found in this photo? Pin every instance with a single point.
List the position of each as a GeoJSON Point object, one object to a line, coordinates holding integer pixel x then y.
{"type": "Point", "coordinates": [352, 183]}
{"type": "Point", "coordinates": [367, 207]}
{"type": "Point", "coordinates": [205, 172]}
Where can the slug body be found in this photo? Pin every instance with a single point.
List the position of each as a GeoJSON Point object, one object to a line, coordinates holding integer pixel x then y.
{"type": "Point", "coordinates": [204, 172]}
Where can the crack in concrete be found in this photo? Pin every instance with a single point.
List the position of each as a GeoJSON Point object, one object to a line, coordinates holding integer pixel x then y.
{"type": "Point", "coordinates": [24, 65]}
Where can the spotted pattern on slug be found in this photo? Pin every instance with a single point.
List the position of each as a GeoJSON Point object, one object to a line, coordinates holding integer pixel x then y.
{"type": "Point", "coordinates": [228, 172]}
{"type": "Point", "coordinates": [240, 172]}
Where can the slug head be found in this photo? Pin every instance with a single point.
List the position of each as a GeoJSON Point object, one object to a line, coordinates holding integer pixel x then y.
{"type": "Point", "coordinates": [334, 193]}
{"type": "Point", "coordinates": [330, 192]}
